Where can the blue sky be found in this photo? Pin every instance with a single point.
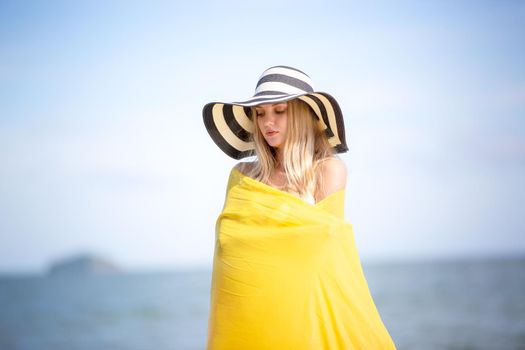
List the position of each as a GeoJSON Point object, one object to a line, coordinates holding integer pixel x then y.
{"type": "Point", "coordinates": [103, 147]}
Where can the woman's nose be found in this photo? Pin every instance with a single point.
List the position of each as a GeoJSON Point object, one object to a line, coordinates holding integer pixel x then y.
{"type": "Point", "coordinates": [269, 117]}
{"type": "Point", "coordinates": [269, 121]}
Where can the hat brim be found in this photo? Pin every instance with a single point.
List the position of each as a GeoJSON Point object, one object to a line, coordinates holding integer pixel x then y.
{"type": "Point", "coordinates": [264, 99]}
{"type": "Point", "coordinates": [230, 125]}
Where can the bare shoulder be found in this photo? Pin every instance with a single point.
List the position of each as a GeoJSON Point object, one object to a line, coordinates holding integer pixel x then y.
{"type": "Point", "coordinates": [244, 167]}
{"type": "Point", "coordinates": [334, 173]}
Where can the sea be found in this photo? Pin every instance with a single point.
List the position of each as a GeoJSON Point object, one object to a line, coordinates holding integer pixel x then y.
{"type": "Point", "coordinates": [456, 304]}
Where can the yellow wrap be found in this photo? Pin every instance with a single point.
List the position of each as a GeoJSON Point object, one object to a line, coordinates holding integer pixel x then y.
{"type": "Point", "coordinates": [287, 275]}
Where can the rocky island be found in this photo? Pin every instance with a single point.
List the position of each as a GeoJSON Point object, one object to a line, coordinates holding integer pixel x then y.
{"type": "Point", "coordinates": [82, 264]}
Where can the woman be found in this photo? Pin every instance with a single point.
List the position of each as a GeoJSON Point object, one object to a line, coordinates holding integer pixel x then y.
{"type": "Point", "coordinates": [286, 271]}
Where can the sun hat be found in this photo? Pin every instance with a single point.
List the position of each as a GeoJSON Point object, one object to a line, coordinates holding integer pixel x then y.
{"type": "Point", "coordinates": [230, 124]}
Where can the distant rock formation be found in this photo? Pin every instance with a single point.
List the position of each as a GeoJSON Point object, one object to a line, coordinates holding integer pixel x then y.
{"type": "Point", "coordinates": [82, 264]}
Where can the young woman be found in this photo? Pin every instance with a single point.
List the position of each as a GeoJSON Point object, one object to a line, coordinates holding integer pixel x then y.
{"type": "Point", "coordinates": [286, 271]}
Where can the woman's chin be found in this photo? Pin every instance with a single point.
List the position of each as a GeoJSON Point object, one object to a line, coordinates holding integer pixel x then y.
{"type": "Point", "coordinates": [274, 143]}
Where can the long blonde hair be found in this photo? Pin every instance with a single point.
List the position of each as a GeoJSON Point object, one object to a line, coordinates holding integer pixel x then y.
{"type": "Point", "coordinates": [306, 145]}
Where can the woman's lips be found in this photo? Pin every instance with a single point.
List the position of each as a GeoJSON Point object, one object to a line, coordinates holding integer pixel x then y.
{"type": "Point", "coordinates": [271, 133]}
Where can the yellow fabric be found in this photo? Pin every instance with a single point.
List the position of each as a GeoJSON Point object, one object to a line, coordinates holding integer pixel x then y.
{"type": "Point", "coordinates": [287, 275]}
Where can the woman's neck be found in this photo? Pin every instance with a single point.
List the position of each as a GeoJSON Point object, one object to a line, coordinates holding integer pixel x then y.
{"type": "Point", "coordinates": [279, 166]}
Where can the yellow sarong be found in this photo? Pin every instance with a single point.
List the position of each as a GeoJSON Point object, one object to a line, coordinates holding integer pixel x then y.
{"type": "Point", "coordinates": [287, 275]}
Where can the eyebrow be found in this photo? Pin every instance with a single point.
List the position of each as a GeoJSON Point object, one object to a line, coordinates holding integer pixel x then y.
{"type": "Point", "coordinates": [278, 103]}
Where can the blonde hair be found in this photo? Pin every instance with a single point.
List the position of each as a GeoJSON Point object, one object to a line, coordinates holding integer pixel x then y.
{"type": "Point", "coordinates": [306, 145]}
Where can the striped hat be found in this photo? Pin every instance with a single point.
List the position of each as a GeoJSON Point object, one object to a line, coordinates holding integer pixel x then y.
{"type": "Point", "coordinates": [230, 124]}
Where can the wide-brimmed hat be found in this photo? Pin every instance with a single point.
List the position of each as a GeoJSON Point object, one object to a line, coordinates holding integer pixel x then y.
{"type": "Point", "coordinates": [230, 124]}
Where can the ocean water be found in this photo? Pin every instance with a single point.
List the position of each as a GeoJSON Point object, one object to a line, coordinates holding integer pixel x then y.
{"type": "Point", "coordinates": [449, 304]}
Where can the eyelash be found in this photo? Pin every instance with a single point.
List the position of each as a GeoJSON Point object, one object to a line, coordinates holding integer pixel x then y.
{"type": "Point", "coordinates": [278, 112]}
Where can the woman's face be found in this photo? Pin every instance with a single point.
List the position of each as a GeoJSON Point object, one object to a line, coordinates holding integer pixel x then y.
{"type": "Point", "coordinates": [272, 121]}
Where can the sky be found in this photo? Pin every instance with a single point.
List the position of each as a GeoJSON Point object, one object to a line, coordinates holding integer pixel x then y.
{"type": "Point", "coordinates": [103, 148]}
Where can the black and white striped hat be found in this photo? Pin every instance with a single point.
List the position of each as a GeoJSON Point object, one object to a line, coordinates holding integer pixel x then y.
{"type": "Point", "coordinates": [230, 124]}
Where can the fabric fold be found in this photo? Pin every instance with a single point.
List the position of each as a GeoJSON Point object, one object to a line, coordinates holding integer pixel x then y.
{"type": "Point", "coordinates": [287, 275]}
